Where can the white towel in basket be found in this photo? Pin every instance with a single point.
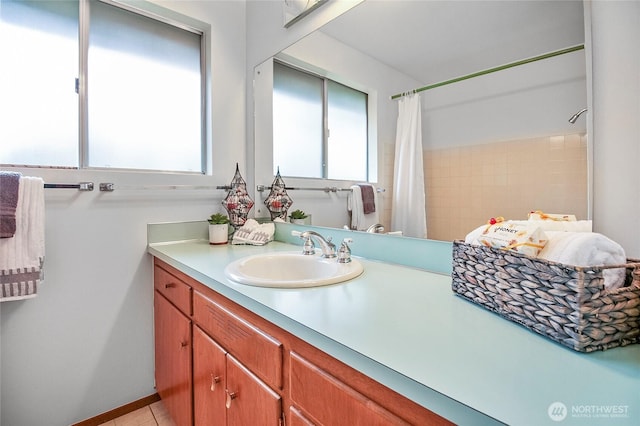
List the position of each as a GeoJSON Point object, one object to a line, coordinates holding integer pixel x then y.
{"type": "Point", "coordinates": [545, 225]}
{"type": "Point", "coordinates": [587, 249]}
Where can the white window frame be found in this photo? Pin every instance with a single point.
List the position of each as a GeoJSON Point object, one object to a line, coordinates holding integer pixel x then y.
{"type": "Point", "coordinates": [166, 16]}
{"type": "Point", "coordinates": [325, 130]}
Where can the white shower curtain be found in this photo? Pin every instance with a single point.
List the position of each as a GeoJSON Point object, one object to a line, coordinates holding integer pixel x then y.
{"type": "Point", "coordinates": [408, 213]}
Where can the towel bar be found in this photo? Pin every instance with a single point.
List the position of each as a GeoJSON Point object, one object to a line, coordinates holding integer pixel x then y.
{"type": "Point", "coordinates": [110, 187]}
{"type": "Point", "coordinates": [82, 186]}
{"type": "Point", "coordinates": [262, 188]}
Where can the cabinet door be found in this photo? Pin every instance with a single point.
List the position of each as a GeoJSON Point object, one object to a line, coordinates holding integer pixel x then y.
{"type": "Point", "coordinates": [297, 418]}
{"type": "Point", "coordinates": [332, 402]}
{"type": "Point", "coordinates": [173, 359]}
{"type": "Point", "coordinates": [209, 382]}
{"type": "Point", "coordinates": [250, 401]}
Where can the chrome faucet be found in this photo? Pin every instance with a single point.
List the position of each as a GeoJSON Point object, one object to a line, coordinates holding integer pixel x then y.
{"type": "Point", "coordinates": [327, 247]}
{"type": "Point", "coordinates": [376, 229]}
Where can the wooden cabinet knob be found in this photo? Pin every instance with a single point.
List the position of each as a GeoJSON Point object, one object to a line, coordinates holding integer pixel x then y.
{"type": "Point", "coordinates": [184, 344]}
{"type": "Point", "coordinates": [169, 285]}
{"type": "Point", "coordinates": [214, 381]}
{"type": "Point", "coordinates": [230, 396]}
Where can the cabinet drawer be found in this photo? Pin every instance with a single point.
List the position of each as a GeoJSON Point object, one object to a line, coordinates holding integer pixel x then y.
{"type": "Point", "coordinates": [330, 401]}
{"type": "Point", "coordinates": [174, 289]}
{"type": "Point", "coordinates": [260, 352]}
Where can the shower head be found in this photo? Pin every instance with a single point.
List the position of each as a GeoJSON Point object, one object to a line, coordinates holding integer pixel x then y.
{"type": "Point", "coordinates": [575, 116]}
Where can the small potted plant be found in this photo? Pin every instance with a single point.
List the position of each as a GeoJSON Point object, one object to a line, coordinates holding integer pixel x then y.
{"type": "Point", "coordinates": [218, 229]}
{"type": "Point", "coordinates": [299, 217]}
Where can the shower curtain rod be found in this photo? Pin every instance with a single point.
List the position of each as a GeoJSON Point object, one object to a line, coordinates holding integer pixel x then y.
{"type": "Point", "coordinates": [491, 70]}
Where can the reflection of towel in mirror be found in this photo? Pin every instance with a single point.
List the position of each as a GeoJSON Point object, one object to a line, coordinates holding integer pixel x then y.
{"type": "Point", "coordinates": [9, 185]}
{"type": "Point", "coordinates": [368, 199]}
{"type": "Point", "coordinates": [359, 219]}
{"type": "Point", "coordinates": [21, 257]}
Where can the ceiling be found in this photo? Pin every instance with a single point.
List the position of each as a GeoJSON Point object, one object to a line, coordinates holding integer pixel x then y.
{"type": "Point", "coordinates": [433, 41]}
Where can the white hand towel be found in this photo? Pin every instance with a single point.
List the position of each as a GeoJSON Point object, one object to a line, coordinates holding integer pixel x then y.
{"type": "Point", "coordinates": [587, 249]}
{"type": "Point", "coordinates": [359, 220]}
{"type": "Point", "coordinates": [254, 233]}
{"type": "Point", "coordinates": [22, 256]}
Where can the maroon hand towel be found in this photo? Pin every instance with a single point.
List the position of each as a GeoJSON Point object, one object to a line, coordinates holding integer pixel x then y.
{"type": "Point", "coordinates": [9, 185]}
{"type": "Point", "coordinates": [368, 199]}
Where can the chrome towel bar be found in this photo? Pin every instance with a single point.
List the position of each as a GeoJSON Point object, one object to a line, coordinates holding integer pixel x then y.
{"type": "Point", "coordinates": [262, 188]}
{"type": "Point", "coordinates": [82, 186]}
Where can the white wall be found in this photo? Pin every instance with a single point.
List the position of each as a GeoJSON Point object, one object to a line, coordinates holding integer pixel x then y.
{"type": "Point", "coordinates": [526, 101]}
{"type": "Point", "coordinates": [84, 345]}
{"type": "Point", "coordinates": [616, 121]}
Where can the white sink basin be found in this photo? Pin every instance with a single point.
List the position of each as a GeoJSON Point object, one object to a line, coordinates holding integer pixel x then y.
{"type": "Point", "coordinates": [292, 270]}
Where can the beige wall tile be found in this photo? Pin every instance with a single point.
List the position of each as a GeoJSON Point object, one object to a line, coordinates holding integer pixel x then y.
{"type": "Point", "coordinates": [467, 186]}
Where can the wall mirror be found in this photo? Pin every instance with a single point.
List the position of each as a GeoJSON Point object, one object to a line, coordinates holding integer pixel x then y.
{"type": "Point", "coordinates": [494, 145]}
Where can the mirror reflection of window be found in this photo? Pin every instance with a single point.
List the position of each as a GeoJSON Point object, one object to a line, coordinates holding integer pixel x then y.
{"type": "Point", "coordinates": [303, 146]}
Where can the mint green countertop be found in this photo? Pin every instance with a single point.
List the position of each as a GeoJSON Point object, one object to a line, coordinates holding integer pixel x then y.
{"type": "Point", "coordinates": [404, 327]}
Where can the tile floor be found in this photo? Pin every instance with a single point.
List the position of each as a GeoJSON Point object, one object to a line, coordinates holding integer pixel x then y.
{"type": "Point", "coordinates": [152, 415]}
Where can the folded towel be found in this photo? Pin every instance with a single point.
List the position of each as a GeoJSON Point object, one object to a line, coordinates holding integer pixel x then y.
{"type": "Point", "coordinates": [254, 233]}
{"type": "Point", "coordinates": [544, 225]}
{"type": "Point", "coordinates": [22, 257]}
{"type": "Point", "coordinates": [359, 219]}
{"type": "Point", "coordinates": [368, 199]}
{"type": "Point", "coordinates": [9, 185]}
{"type": "Point", "coordinates": [560, 225]}
{"type": "Point", "coordinates": [587, 249]}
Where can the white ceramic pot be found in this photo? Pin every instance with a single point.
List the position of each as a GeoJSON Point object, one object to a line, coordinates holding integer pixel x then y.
{"type": "Point", "coordinates": [305, 221]}
{"type": "Point", "coordinates": [218, 233]}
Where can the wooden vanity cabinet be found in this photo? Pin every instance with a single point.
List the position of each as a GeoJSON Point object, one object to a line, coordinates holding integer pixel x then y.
{"type": "Point", "coordinates": [248, 359]}
{"type": "Point", "coordinates": [172, 330]}
{"type": "Point", "coordinates": [248, 371]}
{"type": "Point", "coordinates": [226, 392]}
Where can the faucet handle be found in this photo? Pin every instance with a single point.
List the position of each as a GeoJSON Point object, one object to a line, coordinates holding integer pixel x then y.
{"type": "Point", "coordinates": [344, 252]}
{"type": "Point", "coordinates": [308, 248]}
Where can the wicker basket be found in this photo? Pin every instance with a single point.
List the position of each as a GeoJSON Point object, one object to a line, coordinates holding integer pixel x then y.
{"type": "Point", "coordinates": [566, 303]}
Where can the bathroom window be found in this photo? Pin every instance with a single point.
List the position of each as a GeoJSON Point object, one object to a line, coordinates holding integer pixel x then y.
{"type": "Point", "coordinates": [319, 126]}
{"type": "Point", "coordinates": [128, 95]}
